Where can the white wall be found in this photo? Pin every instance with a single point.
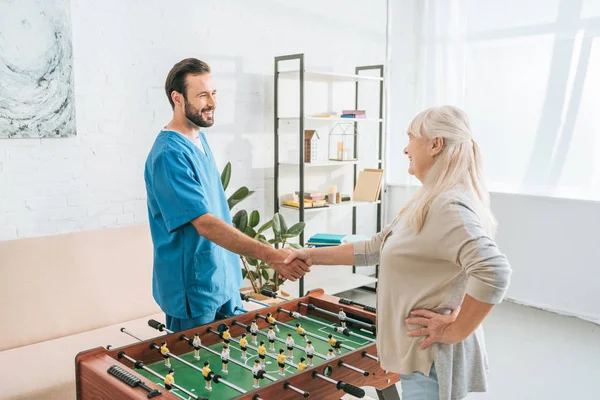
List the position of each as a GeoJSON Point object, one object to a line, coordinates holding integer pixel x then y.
{"type": "Point", "coordinates": [552, 245]}
{"type": "Point", "coordinates": [122, 54]}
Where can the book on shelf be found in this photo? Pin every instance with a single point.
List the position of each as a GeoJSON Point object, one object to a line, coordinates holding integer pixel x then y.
{"type": "Point", "coordinates": [368, 185]}
{"type": "Point", "coordinates": [307, 203]}
{"type": "Point", "coordinates": [325, 239]}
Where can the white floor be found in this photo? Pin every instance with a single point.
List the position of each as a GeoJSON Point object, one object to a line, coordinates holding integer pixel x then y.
{"type": "Point", "coordinates": [533, 354]}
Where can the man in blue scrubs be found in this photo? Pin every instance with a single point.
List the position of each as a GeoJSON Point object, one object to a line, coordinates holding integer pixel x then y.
{"type": "Point", "coordinates": [197, 270]}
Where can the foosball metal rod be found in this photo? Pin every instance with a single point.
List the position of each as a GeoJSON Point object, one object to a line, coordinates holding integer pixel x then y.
{"type": "Point", "coordinates": [348, 332]}
{"type": "Point", "coordinates": [131, 334]}
{"type": "Point", "coordinates": [140, 365]}
{"type": "Point", "coordinates": [311, 307]}
{"type": "Point", "coordinates": [304, 394]}
{"type": "Point", "coordinates": [216, 379]}
{"type": "Point", "coordinates": [234, 322]}
{"type": "Point", "coordinates": [307, 333]}
{"type": "Point", "coordinates": [245, 297]}
{"type": "Point", "coordinates": [340, 385]}
{"type": "Point", "coordinates": [211, 330]}
{"type": "Point", "coordinates": [372, 357]}
{"type": "Point", "coordinates": [354, 303]}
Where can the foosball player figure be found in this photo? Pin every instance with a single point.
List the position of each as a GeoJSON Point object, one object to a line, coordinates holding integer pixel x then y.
{"type": "Point", "coordinates": [310, 351]}
{"type": "Point", "coordinates": [301, 331]}
{"type": "Point", "coordinates": [289, 341]}
{"type": "Point", "coordinates": [330, 354]}
{"type": "Point", "coordinates": [164, 350]}
{"type": "Point", "coordinates": [225, 359]}
{"type": "Point", "coordinates": [271, 335]}
{"type": "Point", "coordinates": [197, 342]}
{"type": "Point", "coordinates": [336, 344]}
{"type": "Point", "coordinates": [262, 350]}
{"type": "Point", "coordinates": [243, 346]}
{"type": "Point", "coordinates": [281, 362]}
{"type": "Point", "coordinates": [207, 375]}
{"type": "Point", "coordinates": [302, 365]}
{"type": "Point", "coordinates": [255, 370]}
{"type": "Point", "coordinates": [254, 331]}
{"type": "Point", "coordinates": [169, 380]}
{"type": "Point", "coordinates": [226, 335]}
{"type": "Point", "coordinates": [342, 316]}
{"type": "Point", "coordinates": [271, 320]}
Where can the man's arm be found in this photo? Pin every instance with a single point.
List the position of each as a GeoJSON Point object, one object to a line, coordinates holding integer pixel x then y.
{"type": "Point", "coordinates": [226, 236]}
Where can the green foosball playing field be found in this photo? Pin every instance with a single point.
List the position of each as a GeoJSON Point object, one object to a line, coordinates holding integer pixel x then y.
{"type": "Point", "coordinates": [193, 380]}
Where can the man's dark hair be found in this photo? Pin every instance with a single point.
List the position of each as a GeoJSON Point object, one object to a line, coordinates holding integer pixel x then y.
{"type": "Point", "coordinates": [176, 78]}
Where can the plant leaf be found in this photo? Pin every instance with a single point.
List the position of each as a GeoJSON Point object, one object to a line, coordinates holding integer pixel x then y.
{"type": "Point", "coordinates": [244, 274]}
{"type": "Point", "coordinates": [295, 230]}
{"type": "Point", "coordinates": [274, 241]}
{"type": "Point", "coordinates": [240, 220]}
{"type": "Point", "coordinates": [265, 226]}
{"type": "Point", "coordinates": [254, 218]}
{"type": "Point", "coordinates": [252, 261]}
{"type": "Point", "coordinates": [226, 176]}
{"type": "Point", "coordinates": [295, 246]}
{"type": "Point", "coordinates": [239, 195]}
{"type": "Point", "coordinates": [265, 274]}
{"type": "Point", "coordinates": [284, 227]}
{"type": "Point", "coordinates": [250, 232]}
{"type": "Point", "coordinates": [276, 226]}
{"type": "Point", "coordinates": [263, 240]}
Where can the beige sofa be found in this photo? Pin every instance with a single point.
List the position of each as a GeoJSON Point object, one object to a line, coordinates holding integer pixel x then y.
{"type": "Point", "coordinates": [66, 293]}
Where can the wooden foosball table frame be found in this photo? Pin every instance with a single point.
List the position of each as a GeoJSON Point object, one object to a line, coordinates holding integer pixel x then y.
{"type": "Point", "coordinates": [93, 381]}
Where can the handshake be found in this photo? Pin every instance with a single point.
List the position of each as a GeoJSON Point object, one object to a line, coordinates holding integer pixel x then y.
{"type": "Point", "coordinates": [289, 263]}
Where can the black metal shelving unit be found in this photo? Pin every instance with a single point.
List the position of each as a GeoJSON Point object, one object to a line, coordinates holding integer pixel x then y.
{"type": "Point", "coordinates": [301, 81]}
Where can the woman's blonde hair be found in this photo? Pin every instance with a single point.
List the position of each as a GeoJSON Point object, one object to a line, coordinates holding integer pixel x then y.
{"type": "Point", "coordinates": [457, 164]}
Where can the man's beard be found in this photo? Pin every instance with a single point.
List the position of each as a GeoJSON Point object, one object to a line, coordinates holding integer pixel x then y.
{"type": "Point", "coordinates": [195, 116]}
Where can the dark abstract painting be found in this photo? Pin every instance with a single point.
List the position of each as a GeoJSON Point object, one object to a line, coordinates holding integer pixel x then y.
{"type": "Point", "coordinates": [36, 69]}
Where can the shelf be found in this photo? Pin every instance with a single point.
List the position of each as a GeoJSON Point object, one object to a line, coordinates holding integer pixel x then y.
{"type": "Point", "coordinates": [344, 204]}
{"type": "Point", "coordinates": [332, 279]}
{"type": "Point", "coordinates": [330, 119]}
{"type": "Point", "coordinates": [328, 76]}
{"type": "Point", "coordinates": [321, 164]}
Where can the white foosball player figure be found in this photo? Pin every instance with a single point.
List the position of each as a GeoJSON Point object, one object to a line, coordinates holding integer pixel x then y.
{"type": "Point", "coordinates": [271, 335]}
{"type": "Point", "coordinates": [342, 316]}
{"type": "Point", "coordinates": [289, 341]}
{"type": "Point", "coordinates": [197, 342]}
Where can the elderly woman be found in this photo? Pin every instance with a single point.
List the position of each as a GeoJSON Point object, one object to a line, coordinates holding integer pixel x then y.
{"type": "Point", "coordinates": [440, 270]}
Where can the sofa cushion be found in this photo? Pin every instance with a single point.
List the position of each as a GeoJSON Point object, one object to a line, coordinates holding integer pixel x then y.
{"type": "Point", "coordinates": [47, 370]}
{"type": "Point", "coordinates": [66, 284]}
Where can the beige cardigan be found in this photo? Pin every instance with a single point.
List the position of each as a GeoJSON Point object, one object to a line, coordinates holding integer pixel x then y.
{"type": "Point", "coordinates": [434, 269]}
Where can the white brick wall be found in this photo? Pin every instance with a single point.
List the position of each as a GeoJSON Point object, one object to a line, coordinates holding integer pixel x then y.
{"type": "Point", "coordinates": [122, 53]}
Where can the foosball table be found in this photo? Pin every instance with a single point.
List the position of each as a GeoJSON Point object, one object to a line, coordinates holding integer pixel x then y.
{"type": "Point", "coordinates": [317, 346]}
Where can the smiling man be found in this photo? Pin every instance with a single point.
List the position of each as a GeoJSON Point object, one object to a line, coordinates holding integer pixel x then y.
{"type": "Point", "coordinates": [196, 270]}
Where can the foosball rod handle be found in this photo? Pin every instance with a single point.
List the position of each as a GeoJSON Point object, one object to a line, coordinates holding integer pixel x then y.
{"type": "Point", "coordinates": [351, 389]}
{"type": "Point", "coordinates": [354, 303]}
{"type": "Point", "coordinates": [152, 323]}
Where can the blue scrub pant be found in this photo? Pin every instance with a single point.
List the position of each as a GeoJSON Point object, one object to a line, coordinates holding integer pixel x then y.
{"type": "Point", "coordinates": [417, 386]}
{"type": "Point", "coordinates": [228, 309]}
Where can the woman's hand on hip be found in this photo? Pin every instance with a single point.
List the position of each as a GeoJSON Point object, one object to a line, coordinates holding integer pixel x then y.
{"type": "Point", "coordinates": [437, 327]}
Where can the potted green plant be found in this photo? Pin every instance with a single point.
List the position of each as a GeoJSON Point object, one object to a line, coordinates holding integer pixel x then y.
{"type": "Point", "coordinates": [257, 272]}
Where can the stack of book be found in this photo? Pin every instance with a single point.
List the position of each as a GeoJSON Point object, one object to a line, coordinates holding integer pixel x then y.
{"type": "Point", "coordinates": [359, 114]}
{"type": "Point", "coordinates": [325, 240]}
{"type": "Point", "coordinates": [311, 200]}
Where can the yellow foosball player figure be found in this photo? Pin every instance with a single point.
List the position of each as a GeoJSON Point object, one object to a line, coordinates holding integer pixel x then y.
{"type": "Point", "coordinates": [169, 379]}
{"type": "Point", "coordinates": [342, 316]}
{"type": "Point", "coordinates": [302, 365]}
{"type": "Point", "coordinates": [255, 370]}
{"type": "Point", "coordinates": [226, 335]}
{"type": "Point", "coordinates": [310, 351]}
{"type": "Point", "coordinates": [164, 350]}
{"type": "Point", "coordinates": [281, 362]}
{"type": "Point", "coordinates": [254, 331]}
{"type": "Point", "coordinates": [336, 344]}
{"type": "Point", "coordinates": [330, 354]}
{"type": "Point", "coordinates": [197, 342]}
{"type": "Point", "coordinates": [301, 331]}
{"type": "Point", "coordinates": [271, 320]}
{"type": "Point", "coordinates": [225, 359]}
{"type": "Point", "coordinates": [244, 345]}
{"type": "Point", "coordinates": [207, 375]}
{"type": "Point", "coordinates": [271, 335]}
{"type": "Point", "coordinates": [262, 350]}
{"type": "Point", "coordinates": [289, 341]}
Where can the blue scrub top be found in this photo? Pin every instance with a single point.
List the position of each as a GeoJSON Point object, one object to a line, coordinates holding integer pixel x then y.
{"type": "Point", "coordinates": [192, 275]}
